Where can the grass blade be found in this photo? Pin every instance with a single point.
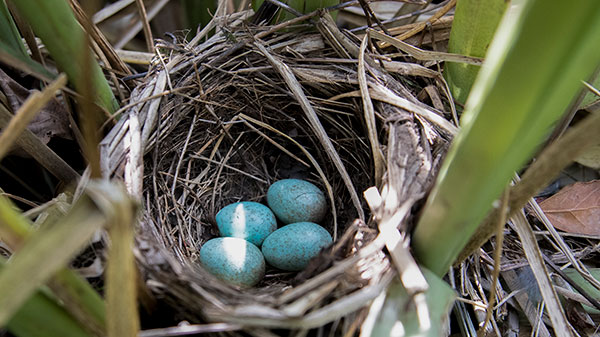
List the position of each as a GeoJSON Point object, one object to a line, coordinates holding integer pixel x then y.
{"type": "Point", "coordinates": [472, 30]}
{"type": "Point", "coordinates": [198, 13]}
{"type": "Point", "coordinates": [65, 40]}
{"type": "Point", "coordinates": [42, 316]}
{"type": "Point", "coordinates": [14, 59]}
{"type": "Point", "coordinates": [9, 34]}
{"type": "Point", "coordinates": [586, 286]}
{"type": "Point", "coordinates": [52, 246]}
{"type": "Point", "coordinates": [533, 70]}
{"type": "Point", "coordinates": [121, 274]}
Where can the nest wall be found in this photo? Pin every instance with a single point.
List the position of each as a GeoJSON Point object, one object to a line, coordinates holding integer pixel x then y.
{"type": "Point", "coordinates": [219, 121]}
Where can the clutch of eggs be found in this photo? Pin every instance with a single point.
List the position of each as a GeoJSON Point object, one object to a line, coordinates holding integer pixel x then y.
{"type": "Point", "coordinates": [245, 226]}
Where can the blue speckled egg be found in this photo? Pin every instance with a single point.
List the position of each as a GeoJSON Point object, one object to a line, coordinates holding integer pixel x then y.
{"type": "Point", "coordinates": [233, 260]}
{"type": "Point", "coordinates": [247, 220]}
{"type": "Point", "coordinates": [292, 246]}
{"type": "Point", "coordinates": [295, 200]}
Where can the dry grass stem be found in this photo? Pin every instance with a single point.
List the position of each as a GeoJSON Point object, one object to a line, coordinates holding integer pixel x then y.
{"type": "Point", "coordinates": [536, 261]}
{"type": "Point", "coordinates": [420, 54]}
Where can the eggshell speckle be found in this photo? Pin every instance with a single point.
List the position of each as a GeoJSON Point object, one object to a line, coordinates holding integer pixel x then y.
{"type": "Point", "coordinates": [292, 246]}
{"type": "Point", "coordinates": [247, 220]}
{"type": "Point", "coordinates": [233, 260]}
{"type": "Point", "coordinates": [295, 200]}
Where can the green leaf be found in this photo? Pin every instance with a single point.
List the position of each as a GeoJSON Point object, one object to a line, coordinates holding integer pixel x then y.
{"type": "Point", "coordinates": [585, 285]}
{"type": "Point", "coordinates": [12, 49]}
{"type": "Point", "coordinates": [42, 316]}
{"type": "Point", "coordinates": [9, 34]}
{"type": "Point", "coordinates": [473, 27]}
{"type": "Point", "coordinates": [14, 59]}
{"type": "Point", "coordinates": [198, 13]}
{"type": "Point", "coordinates": [65, 40]}
{"type": "Point", "coordinates": [533, 70]}
{"type": "Point", "coordinates": [398, 315]}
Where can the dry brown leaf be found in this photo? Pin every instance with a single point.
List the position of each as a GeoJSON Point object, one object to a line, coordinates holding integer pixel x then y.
{"type": "Point", "coordinates": [575, 208]}
{"type": "Point", "coordinates": [51, 121]}
{"type": "Point", "coordinates": [590, 158]}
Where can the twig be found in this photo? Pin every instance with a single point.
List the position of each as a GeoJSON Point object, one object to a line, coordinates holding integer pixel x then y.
{"type": "Point", "coordinates": [497, 256]}
{"type": "Point", "coordinates": [573, 284]}
{"type": "Point", "coordinates": [534, 256]}
{"type": "Point", "coordinates": [145, 25]}
{"type": "Point", "coordinates": [369, 112]}
{"type": "Point", "coordinates": [423, 55]}
{"type": "Point", "coordinates": [421, 25]}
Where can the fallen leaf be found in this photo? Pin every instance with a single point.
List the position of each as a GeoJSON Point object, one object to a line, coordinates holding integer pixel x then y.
{"type": "Point", "coordinates": [590, 158]}
{"type": "Point", "coordinates": [575, 208]}
{"type": "Point", "coordinates": [52, 121]}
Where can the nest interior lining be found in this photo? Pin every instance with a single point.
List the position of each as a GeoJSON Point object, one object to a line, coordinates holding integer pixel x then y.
{"type": "Point", "coordinates": [231, 125]}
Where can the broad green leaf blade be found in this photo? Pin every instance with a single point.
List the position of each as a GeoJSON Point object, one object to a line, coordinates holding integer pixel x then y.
{"type": "Point", "coordinates": [44, 253]}
{"type": "Point", "coordinates": [9, 34]}
{"type": "Point", "coordinates": [13, 227]}
{"type": "Point", "coordinates": [65, 40]}
{"type": "Point", "coordinates": [533, 70]}
{"type": "Point", "coordinates": [398, 316]}
{"type": "Point", "coordinates": [42, 316]}
{"type": "Point", "coordinates": [473, 27]}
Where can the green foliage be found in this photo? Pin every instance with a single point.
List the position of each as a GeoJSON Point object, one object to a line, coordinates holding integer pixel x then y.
{"type": "Point", "coordinates": [66, 42]}
{"type": "Point", "coordinates": [399, 316]}
{"type": "Point", "coordinates": [42, 316]}
{"type": "Point", "coordinates": [198, 13]}
{"type": "Point", "coordinates": [44, 253]}
{"type": "Point", "coordinates": [20, 279]}
{"type": "Point", "coordinates": [473, 27]}
{"type": "Point", "coordinates": [302, 6]}
{"type": "Point", "coordinates": [12, 49]}
{"type": "Point", "coordinates": [586, 286]}
{"type": "Point", "coordinates": [9, 35]}
{"type": "Point", "coordinates": [534, 67]}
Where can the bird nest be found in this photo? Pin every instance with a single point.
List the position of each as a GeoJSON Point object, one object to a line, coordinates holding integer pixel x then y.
{"type": "Point", "coordinates": [218, 121]}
